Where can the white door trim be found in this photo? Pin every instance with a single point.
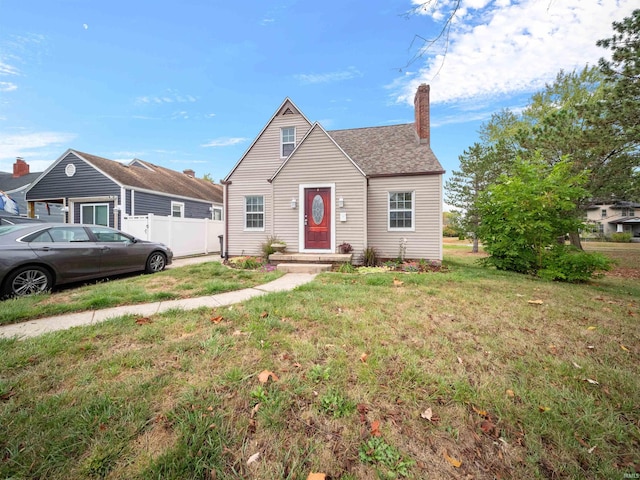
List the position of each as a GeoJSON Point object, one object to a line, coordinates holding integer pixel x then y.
{"type": "Point", "coordinates": [301, 229]}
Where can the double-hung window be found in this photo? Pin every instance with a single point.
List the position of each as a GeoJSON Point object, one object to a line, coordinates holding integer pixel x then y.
{"type": "Point", "coordinates": [401, 211]}
{"type": "Point", "coordinates": [177, 209]}
{"type": "Point", "coordinates": [254, 212]}
{"type": "Point", "coordinates": [287, 140]}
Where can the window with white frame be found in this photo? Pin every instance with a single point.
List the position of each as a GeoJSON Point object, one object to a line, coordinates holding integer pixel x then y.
{"type": "Point", "coordinates": [254, 212]}
{"type": "Point", "coordinates": [287, 140]}
{"type": "Point", "coordinates": [216, 213]}
{"type": "Point", "coordinates": [603, 213]}
{"type": "Point", "coordinates": [401, 211]}
{"type": "Point", "coordinates": [95, 214]}
{"type": "Point", "coordinates": [177, 209]}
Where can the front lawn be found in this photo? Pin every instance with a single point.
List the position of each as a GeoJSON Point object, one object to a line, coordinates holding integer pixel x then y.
{"type": "Point", "coordinates": [471, 373]}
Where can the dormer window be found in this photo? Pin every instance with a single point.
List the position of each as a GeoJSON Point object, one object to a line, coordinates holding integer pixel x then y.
{"type": "Point", "coordinates": [287, 140]}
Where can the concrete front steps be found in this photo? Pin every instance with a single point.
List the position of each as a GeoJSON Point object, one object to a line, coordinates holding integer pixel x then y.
{"type": "Point", "coordinates": [307, 262]}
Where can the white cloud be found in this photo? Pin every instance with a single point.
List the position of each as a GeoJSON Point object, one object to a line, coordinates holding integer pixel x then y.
{"type": "Point", "coordinates": [169, 97]}
{"type": "Point", "coordinates": [501, 47]}
{"type": "Point", "coordinates": [225, 142]}
{"type": "Point", "coordinates": [38, 149]}
{"type": "Point", "coordinates": [348, 74]}
{"type": "Point", "coordinates": [8, 87]}
{"type": "Point", "coordinates": [6, 69]}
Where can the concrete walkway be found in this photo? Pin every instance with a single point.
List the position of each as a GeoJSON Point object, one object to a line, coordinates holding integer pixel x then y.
{"type": "Point", "coordinates": [32, 328]}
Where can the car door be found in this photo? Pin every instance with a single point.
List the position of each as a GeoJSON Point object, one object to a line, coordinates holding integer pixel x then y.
{"type": "Point", "coordinates": [119, 252]}
{"type": "Point", "coordinates": [69, 250]}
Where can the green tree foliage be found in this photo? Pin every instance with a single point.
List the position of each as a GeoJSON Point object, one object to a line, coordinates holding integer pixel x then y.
{"type": "Point", "coordinates": [525, 212]}
{"type": "Point", "coordinates": [480, 166]}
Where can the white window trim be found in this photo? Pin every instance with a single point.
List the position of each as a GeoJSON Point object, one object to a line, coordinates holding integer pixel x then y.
{"type": "Point", "coordinates": [264, 215]}
{"type": "Point", "coordinates": [213, 213]}
{"type": "Point", "coordinates": [283, 143]}
{"type": "Point", "coordinates": [94, 205]}
{"type": "Point", "coordinates": [180, 205]}
{"type": "Point", "coordinates": [413, 212]}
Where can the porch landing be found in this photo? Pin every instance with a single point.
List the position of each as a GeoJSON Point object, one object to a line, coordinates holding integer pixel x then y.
{"type": "Point", "coordinates": [307, 262]}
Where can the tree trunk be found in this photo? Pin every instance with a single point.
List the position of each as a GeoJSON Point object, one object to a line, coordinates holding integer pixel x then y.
{"type": "Point", "coordinates": [574, 238]}
{"type": "Point", "coordinates": [475, 244]}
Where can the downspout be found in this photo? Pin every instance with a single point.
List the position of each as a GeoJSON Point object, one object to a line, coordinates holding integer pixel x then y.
{"type": "Point", "coordinates": [225, 211]}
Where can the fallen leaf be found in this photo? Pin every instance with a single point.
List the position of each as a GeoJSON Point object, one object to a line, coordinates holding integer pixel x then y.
{"type": "Point", "coordinates": [543, 409]}
{"type": "Point", "coordinates": [264, 314]}
{"type": "Point", "coordinates": [428, 413]}
{"type": "Point", "coordinates": [624, 348]}
{"type": "Point", "coordinates": [576, 365]}
{"type": "Point", "coordinates": [535, 302]}
{"type": "Point", "coordinates": [552, 349]}
{"type": "Point", "coordinates": [460, 361]}
{"type": "Point", "coordinates": [375, 428]}
{"type": "Point", "coordinates": [264, 376]}
{"type": "Point", "coordinates": [254, 410]}
{"type": "Point", "coordinates": [487, 426]}
{"type": "Point", "coordinates": [143, 321]}
{"type": "Point", "coordinates": [482, 413]}
{"type": "Point", "coordinates": [590, 347]}
{"type": "Point", "coordinates": [510, 393]}
{"type": "Point", "coordinates": [253, 458]}
{"type": "Point", "coordinates": [591, 328]}
{"type": "Point", "coordinates": [397, 283]}
{"type": "Point", "coordinates": [592, 449]}
{"type": "Point", "coordinates": [580, 440]}
{"type": "Point", "coordinates": [592, 382]}
{"type": "Point", "coordinates": [451, 460]}
{"type": "Point", "coordinates": [217, 319]}
{"type": "Point", "coordinates": [363, 358]}
{"type": "Point", "coordinates": [317, 476]}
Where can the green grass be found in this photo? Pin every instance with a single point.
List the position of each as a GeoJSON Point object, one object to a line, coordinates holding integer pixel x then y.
{"type": "Point", "coordinates": [190, 281]}
{"type": "Point", "coordinates": [358, 358]}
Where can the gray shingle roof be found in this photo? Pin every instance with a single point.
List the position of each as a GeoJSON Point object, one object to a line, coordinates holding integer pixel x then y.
{"type": "Point", "coordinates": [388, 151]}
{"type": "Point", "coordinates": [8, 183]}
{"type": "Point", "coordinates": [156, 178]}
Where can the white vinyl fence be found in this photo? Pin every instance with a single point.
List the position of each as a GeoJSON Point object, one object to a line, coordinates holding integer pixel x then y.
{"type": "Point", "coordinates": [185, 236]}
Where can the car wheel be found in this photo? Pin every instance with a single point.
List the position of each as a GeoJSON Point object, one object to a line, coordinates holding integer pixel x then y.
{"type": "Point", "coordinates": [28, 281]}
{"type": "Point", "coordinates": [156, 262]}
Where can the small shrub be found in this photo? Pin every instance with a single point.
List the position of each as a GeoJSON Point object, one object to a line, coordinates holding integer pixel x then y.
{"type": "Point", "coordinates": [266, 246]}
{"type": "Point", "coordinates": [345, 247]}
{"type": "Point", "coordinates": [335, 404]}
{"type": "Point", "coordinates": [621, 237]}
{"type": "Point", "coordinates": [378, 452]}
{"type": "Point", "coordinates": [346, 268]}
{"type": "Point", "coordinates": [370, 257]}
{"type": "Point", "coordinates": [568, 264]}
{"type": "Point", "coordinates": [248, 263]}
{"type": "Point", "coordinates": [392, 264]}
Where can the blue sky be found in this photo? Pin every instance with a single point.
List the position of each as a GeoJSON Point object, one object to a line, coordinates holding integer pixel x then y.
{"type": "Point", "coordinates": [190, 84]}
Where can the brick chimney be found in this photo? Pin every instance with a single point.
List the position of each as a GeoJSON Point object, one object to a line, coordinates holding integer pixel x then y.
{"type": "Point", "coordinates": [20, 168]}
{"type": "Point", "coordinates": [421, 103]}
{"type": "Point", "coordinates": [189, 173]}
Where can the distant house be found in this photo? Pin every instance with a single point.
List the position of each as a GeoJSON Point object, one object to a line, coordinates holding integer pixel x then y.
{"type": "Point", "coordinates": [15, 185]}
{"type": "Point", "coordinates": [616, 217]}
{"type": "Point", "coordinates": [96, 190]}
{"type": "Point", "coordinates": [315, 189]}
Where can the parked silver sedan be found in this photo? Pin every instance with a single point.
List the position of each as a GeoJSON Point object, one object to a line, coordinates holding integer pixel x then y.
{"type": "Point", "coordinates": [36, 257]}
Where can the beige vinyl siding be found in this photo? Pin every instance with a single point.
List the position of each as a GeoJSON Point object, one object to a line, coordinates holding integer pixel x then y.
{"type": "Point", "coordinates": [320, 161]}
{"type": "Point", "coordinates": [251, 178]}
{"type": "Point", "coordinates": [423, 243]}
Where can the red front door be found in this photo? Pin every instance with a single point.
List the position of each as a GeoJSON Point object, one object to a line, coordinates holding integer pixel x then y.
{"type": "Point", "coordinates": [317, 218]}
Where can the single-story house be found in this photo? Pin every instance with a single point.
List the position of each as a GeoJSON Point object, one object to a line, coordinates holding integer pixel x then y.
{"type": "Point", "coordinates": [615, 217]}
{"type": "Point", "coordinates": [100, 191]}
{"type": "Point", "coordinates": [374, 187]}
{"type": "Point", "coordinates": [15, 186]}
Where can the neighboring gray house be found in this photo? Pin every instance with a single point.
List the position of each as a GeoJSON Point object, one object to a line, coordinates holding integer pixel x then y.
{"type": "Point", "coordinates": [314, 189]}
{"type": "Point", "coordinates": [615, 217]}
{"type": "Point", "coordinates": [15, 185]}
{"type": "Point", "coordinates": [96, 190]}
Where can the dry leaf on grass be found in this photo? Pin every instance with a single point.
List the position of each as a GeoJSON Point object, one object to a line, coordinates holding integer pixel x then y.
{"type": "Point", "coordinates": [264, 314]}
{"type": "Point", "coordinates": [591, 328]}
{"type": "Point", "coordinates": [427, 414]}
{"type": "Point", "coordinates": [264, 376]}
{"type": "Point", "coordinates": [543, 409]}
{"type": "Point", "coordinates": [143, 321]}
{"type": "Point", "coordinates": [482, 413]}
{"type": "Point", "coordinates": [217, 319]}
{"type": "Point", "coordinates": [624, 348]}
{"type": "Point", "coordinates": [363, 358]}
{"type": "Point", "coordinates": [253, 458]}
{"type": "Point", "coordinates": [375, 428]}
{"type": "Point", "coordinates": [535, 302]}
{"type": "Point", "coordinates": [317, 476]}
{"type": "Point", "coordinates": [592, 382]}
{"type": "Point", "coordinates": [456, 463]}
{"type": "Point", "coordinates": [397, 283]}
{"type": "Point", "coordinates": [576, 365]}
{"type": "Point", "coordinates": [510, 393]}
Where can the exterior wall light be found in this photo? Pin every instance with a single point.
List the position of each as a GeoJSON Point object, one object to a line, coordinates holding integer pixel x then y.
{"type": "Point", "coordinates": [294, 203]}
